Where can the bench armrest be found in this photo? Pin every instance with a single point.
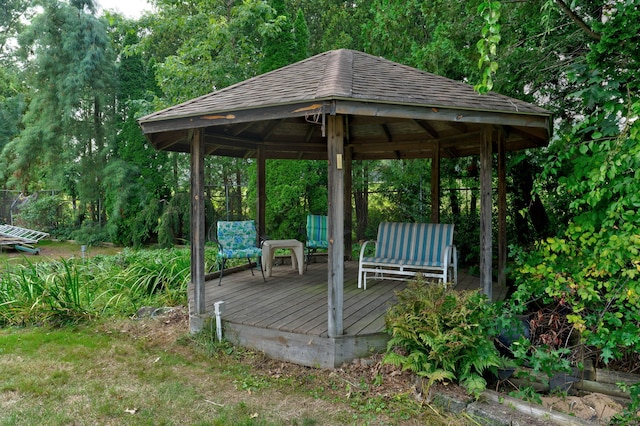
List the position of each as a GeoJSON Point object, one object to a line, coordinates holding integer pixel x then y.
{"type": "Point", "coordinates": [451, 261]}
{"type": "Point", "coordinates": [364, 246]}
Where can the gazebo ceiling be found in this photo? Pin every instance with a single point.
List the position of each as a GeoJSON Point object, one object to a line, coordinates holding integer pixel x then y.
{"type": "Point", "coordinates": [391, 111]}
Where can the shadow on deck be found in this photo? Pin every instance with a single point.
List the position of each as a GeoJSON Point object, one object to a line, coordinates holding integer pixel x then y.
{"type": "Point", "coordinates": [286, 317]}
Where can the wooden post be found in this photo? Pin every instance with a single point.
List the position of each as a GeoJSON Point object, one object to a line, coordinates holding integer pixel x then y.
{"type": "Point", "coordinates": [502, 211]}
{"type": "Point", "coordinates": [485, 212]}
{"type": "Point", "coordinates": [261, 192]}
{"type": "Point", "coordinates": [335, 279]}
{"type": "Point", "coordinates": [348, 207]}
{"type": "Point", "coordinates": [198, 231]}
{"type": "Point", "coordinates": [435, 186]}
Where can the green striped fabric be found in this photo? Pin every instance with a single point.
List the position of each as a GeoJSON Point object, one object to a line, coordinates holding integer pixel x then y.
{"type": "Point", "coordinates": [414, 243]}
{"type": "Point", "coordinates": [317, 232]}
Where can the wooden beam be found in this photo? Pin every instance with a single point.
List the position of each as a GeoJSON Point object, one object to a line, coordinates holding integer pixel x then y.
{"type": "Point", "coordinates": [435, 186]}
{"type": "Point", "coordinates": [261, 192]}
{"type": "Point", "coordinates": [231, 141]}
{"type": "Point", "coordinates": [239, 142]}
{"type": "Point", "coordinates": [420, 143]}
{"type": "Point", "coordinates": [443, 114]}
{"type": "Point", "coordinates": [502, 211]}
{"type": "Point", "coordinates": [198, 230]}
{"type": "Point", "coordinates": [220, 118]}
{"type": "Point", "coordinates": [428, 128]}
{"type": "Point", "coordinates": [485, 212]}
{"type": "Point", "coordinates": [164, 141]}
{"type": "Point", "coordinates": [271, 127]}
{"type": "Point", "coordinates": [387, 132]}
{"type": "Point", "coordinates": [242, 128]}
{"type": "Point", "coordinates": [539, 136]}
{"type": "Point", "coordinates": [335, 278]}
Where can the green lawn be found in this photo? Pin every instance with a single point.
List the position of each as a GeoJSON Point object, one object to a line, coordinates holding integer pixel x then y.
{"type": "Point", "coordinates": [152, 371]}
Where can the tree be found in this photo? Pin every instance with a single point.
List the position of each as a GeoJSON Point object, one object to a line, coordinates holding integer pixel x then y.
{"type": "Point", "coordinates": [220, 44]}
{"type": "Point", "coordinates": [12, 96]}
{"type": "Point", "coordinates": [136, 178]}
{"type": "Point", "coordinates": [12, 17]}
{"type": "Point", "coordinates": [279, 48]}
{"type": "Point", "coordinates": [68, 122]}
{"type": "Point", "coordinates": [333, 24]}
{"type": "Point", "coordinates": [301, 34]}
{"type": "Point", "coordinates": [12, 105]}
{"type": "Point", "coordinates": [592, 267]}
{"type": "Point", "coordinates": [436, 36]}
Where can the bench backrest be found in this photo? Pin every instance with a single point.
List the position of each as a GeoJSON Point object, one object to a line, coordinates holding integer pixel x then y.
{"type": "Point", "coordinates": [413, 241]}
{"type": "Point", "coordinates": [237, 235]}
{"type": "Point", "coordinates": [317, 231]}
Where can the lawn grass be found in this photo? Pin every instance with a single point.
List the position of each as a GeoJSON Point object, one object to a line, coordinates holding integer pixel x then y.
{"type": "Point", "coordinates": [51, 250]}
{"type": "Point", "coordinates": [101, 366]}
{"type": "Point", "coordinates": [152, 372]}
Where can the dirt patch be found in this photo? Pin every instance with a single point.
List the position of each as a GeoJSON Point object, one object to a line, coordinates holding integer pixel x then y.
{"type": "Point", "coordinates": [592, 407]}
{"type": "Point", "coordinates": [158, 326]}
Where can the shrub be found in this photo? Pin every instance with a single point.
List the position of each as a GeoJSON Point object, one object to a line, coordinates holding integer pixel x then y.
{"type": "Point", "coordinates": [46, 213]}
{"type": "Point", "coordinates": [443, 335]}
{"type": "Point", "coordinates": [173, 227]}
{"type": "Point", "coordinates": [594, 277]}
{"type": "Point", "coordinates": [91, 234]}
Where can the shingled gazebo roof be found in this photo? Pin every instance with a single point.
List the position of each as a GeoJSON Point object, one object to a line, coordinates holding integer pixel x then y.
{"type": "Point", "coordinates": [392, 110]}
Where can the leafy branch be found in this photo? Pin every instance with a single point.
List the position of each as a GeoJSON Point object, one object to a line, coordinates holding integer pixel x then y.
{"type": "Point", "coordinates": [488, 44]}
{"type": "Point", "coordinates": [578, 20]}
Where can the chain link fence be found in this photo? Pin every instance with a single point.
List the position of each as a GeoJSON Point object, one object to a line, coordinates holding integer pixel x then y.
{"type": "Point", "coordinates": [7, 199]}
{"type": "Point", "coordinates": [11, 202]}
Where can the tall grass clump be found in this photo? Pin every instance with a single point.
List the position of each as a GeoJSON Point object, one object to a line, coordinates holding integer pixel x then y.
{"type": "Point", "coordinates": [146, 277]}
{"type": "Point", "coordinates": [44, 293]}
{"type": "Point", "coordinates": [75, 290]}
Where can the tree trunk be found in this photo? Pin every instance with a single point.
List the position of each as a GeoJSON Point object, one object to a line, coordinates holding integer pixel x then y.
{"type": "Point", "coordinates": [237, 193]}
{"type": "Point", "coordinates": [525, 201]}
{"type": "Point", "coordinates": [361, 199]}
{"type": "Point", "coordinates": [455, 204]}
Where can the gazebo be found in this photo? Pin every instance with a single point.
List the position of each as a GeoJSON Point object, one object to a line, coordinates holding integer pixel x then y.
{"type": "Point", "coordinates": [343, 106]}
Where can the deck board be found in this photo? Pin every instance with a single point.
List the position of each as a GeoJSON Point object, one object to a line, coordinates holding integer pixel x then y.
{"type": "Point", "coordinates": [287, 316]}
{"type": "Point", "coordinates": [298, 303]}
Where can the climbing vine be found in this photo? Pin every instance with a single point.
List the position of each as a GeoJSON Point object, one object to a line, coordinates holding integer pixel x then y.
{"type": "Point", "coordinates": [487, 46]}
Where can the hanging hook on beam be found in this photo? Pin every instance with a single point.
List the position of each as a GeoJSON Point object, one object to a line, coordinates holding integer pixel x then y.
{"type": "Point", "coordinates": [317, 118]}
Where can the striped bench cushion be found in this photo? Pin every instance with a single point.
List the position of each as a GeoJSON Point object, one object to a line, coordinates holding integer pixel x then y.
{"type": "Point", "coordinates": [413, 243]}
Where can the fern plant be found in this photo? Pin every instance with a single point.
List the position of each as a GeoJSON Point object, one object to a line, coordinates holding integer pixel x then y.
{"type": "Point", "coordinates": [443, 335]}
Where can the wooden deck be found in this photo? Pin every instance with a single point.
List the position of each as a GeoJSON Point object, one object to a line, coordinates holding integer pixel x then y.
{"type": "Point", "coordinates": [286, 317]}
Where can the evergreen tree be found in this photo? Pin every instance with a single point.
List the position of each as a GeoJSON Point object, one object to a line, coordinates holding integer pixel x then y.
{"type": "Point", "coordinates": [12, 17]}
{"type": "Point", "coordinates": [135, 177]}
{"type": "Point", "coordinates": [301, 34]}
{"type": "Point", "coordinates": [12, 91]}
{"type": "Point", "coordinates": [68, 120]}
{"type": "Point", "coordinates": [279, 48]}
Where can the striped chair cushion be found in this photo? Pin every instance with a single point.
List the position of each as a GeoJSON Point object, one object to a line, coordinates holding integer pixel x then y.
{"type": "Point", "coordinates": [317, 231]}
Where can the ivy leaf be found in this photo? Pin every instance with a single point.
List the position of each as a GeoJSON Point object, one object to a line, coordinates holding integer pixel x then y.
{"type": "Point", "coordinates": [606, 354]}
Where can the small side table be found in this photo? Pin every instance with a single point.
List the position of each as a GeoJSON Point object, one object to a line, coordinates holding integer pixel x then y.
{"type": "Point", "coordinates": [297, 254]}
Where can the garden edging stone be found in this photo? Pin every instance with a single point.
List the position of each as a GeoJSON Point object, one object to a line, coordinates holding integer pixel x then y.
{"type": "Point", "coordinates": [495, 409]}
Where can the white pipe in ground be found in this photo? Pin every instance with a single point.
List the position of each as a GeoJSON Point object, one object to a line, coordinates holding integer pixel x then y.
{"type": "Point", "coordinates": [219, 307]}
